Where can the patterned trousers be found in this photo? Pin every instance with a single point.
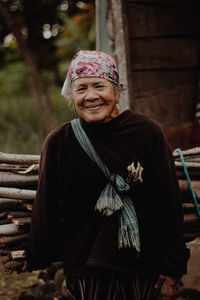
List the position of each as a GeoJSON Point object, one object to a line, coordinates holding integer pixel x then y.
{"type": "Point", "coordinates": [105, 285]}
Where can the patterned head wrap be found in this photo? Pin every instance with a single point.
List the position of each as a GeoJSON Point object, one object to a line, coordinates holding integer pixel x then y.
{"type": "Point", "coordinates": [88, 63]}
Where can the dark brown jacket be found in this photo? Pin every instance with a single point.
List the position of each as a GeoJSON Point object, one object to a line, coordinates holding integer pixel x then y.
{"type": "Point", "coordinates": [64, 222]}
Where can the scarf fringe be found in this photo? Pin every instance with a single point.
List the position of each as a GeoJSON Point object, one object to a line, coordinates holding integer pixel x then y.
{"type": "Point", "coordinates": [109, 201]}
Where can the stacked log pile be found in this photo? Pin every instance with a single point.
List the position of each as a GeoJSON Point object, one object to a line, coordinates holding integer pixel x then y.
{"type": "Point", "coordinates": [190, 210]}
{"type": "Point", "coordinates": [18, 184]}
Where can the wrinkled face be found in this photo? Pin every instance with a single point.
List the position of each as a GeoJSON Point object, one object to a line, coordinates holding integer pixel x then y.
{"type": "Point", "coordinates": [95, 99]}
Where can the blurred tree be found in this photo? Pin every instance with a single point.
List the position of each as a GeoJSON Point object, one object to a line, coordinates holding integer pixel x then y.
{"type": "Point", "coordinates": [35, 25]}
{"type": "Point", "coordinates": [78, 33]}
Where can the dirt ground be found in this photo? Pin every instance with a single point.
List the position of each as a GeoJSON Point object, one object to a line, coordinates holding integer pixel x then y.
{"type": "Point", "coordinates": [11, 285]}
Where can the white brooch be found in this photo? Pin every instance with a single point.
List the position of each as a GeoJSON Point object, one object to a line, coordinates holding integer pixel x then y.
{"type": "Point", "coordinates": [134, 174]}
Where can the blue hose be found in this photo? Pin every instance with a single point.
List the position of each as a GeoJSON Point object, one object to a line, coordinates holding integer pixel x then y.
{"type": "Point", "coordinates": [188, 179]}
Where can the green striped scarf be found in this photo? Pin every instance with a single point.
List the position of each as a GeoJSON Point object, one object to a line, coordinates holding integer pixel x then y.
{"type": "Point", "coordinates": [114, 196]}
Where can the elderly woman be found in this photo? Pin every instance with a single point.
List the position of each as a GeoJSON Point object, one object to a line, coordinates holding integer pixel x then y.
{"type": "Point", "coordinates": [107, 202]}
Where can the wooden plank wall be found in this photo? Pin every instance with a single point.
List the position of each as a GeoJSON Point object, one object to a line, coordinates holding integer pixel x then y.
{"type": "Point", "coordinates": [164, 58]}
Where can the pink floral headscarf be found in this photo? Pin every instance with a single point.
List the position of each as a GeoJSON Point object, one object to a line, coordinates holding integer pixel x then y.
{"type": "Point", "coordinates": [88, 63]}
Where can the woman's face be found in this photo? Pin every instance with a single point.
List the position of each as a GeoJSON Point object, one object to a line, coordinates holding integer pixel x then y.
{"type": "Point", "coordinates": [95, 99]}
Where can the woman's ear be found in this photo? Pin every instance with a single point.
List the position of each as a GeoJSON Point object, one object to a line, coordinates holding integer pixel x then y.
{"type": "Point", "coordinates": [121, 86]}
{"type": "Point", "coordinates": [119, 89]}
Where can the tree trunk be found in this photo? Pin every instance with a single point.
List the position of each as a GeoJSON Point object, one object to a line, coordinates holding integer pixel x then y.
{"type": "Point", "coordinates": [29, 57]}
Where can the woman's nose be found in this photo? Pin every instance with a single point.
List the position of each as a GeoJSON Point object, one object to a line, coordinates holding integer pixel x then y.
{"type": "Point", "coordinates": [91, 95]}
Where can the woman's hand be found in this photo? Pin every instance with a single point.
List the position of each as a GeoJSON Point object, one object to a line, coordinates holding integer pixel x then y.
{"type": "Point", "coordinates": [172, 284]}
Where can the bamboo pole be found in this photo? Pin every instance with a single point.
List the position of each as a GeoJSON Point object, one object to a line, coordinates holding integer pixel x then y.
{"type": "Point", "coordinates": [17, 193]}
{"type": "Point", "coordinates": [19, 158]}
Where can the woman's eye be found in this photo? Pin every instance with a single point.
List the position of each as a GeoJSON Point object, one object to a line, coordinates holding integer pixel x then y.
{"type": "Point", "coordinates": [81, 89]}
{"type": "Point", "coordinates": [99, 86]}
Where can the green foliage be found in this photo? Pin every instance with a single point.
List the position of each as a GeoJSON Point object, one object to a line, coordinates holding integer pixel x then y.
{"type": "Point", "coordinates": [21, 129]}
{"type": "Point", "coordinates": [14, 79]}
{"type": "Point", "coordinates": [20, 125]}
{"type": "Point", "coordinates": [12, 284]}
{"type": "Point", "coordinates": [79, 32]}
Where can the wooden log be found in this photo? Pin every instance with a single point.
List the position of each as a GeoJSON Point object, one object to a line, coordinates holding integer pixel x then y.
{"type": "Point", "coordinates": [18, 214]}
{"type": "Point", "coordinates": [20, 246]}
{"type": "Point", "coordinates": [20, 169]}
{"type": "Point", "coordinates": [189, 207]}
{"type": "Point", "coordinates": [4, 252]}
{"type": "Point", "coordinates": [16, 180]}
{"type": "Point", "coordinates": [29, 206]}
{"type": "Point", "coordinates": [192, 158]}
{"type": "Point", "coordinates": [19, 158]}
{"type": "Point", "coordinates": [190, 165]}
{"type": "Point", "coordinates": [17, 193]}
{"type": "Point", "coordinates": [14, 266]}
{"type": "Point", "coordinates": [188, 237]}
{"type": "Point", "coordinates": [21, 221]}
{"type": "Point", "coordinates": [9, 229]}
{"type": "Point", "coordinates": [185, 191]}
{"type": "Point", "coordinates": [192, 219]}
{"type": "Point", "coordinates": [5, 221]}
{"type": "Point", "coordinates": [194, 175]}
{"type": "Point", "coordinates": [9, 240]}
{"type": "Point", "coordinates": [19, 254]}
{"type": "Point", "coordinates": [189, 152]}
{"type": "Point", "coordinates": [10, 204]}
{"type": "Point", "coordinates": [33, 168]}
{"type": "Point", "coordinates": [5, 259]}
{"type": "Point", "coordinates": [3, 215]}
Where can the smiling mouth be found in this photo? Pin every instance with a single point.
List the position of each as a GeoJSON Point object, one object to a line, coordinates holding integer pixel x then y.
{"type": "Point", "coordinates": [93, 107]}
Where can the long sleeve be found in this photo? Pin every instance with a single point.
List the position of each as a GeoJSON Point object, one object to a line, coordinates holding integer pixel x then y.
{"type": "Point", "coordinates": [45, 232]}
{"type": "Point", "coordinates": [167, 210]}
